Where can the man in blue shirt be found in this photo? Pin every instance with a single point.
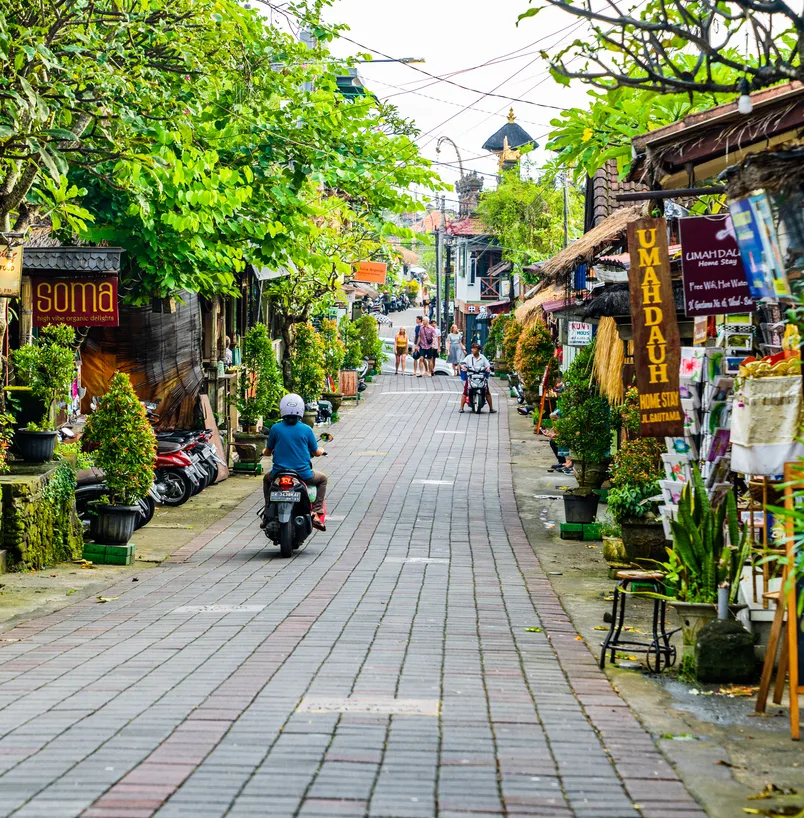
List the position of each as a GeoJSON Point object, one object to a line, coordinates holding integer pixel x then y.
{"type": "Point", "coordinates": [291, 444]}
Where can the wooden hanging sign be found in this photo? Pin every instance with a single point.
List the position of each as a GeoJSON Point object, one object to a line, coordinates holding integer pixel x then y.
{"type": "Point", "coordinates": [657, 347]}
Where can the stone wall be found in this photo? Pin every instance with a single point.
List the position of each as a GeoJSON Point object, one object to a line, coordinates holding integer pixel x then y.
{"type": "Point", "coordinates": [36, 530]}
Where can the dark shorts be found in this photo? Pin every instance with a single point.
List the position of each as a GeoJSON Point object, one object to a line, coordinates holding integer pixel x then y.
{"type": "Point", "coordinates": [429, 354]}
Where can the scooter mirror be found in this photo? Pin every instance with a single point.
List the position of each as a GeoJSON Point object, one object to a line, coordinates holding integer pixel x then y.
{"type": "Point", "coordinates": [327, 437]}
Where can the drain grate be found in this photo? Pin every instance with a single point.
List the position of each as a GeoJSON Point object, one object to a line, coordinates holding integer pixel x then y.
{"type": "Point", "coordinates": [379, 705]}
{"type": "Point", "coordinates": [219, 609]}
{"type": "Point", "coordinates": [426, 560]}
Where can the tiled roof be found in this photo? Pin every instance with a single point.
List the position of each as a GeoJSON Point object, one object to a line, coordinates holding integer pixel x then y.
{"type": "Point", "coordinates": [603, 189]}
{"type": "Point", "coordinates": [470, 226]}
{"type": "Point", "coordinates": [72, 259]}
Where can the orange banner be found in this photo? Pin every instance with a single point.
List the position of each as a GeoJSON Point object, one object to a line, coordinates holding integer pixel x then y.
{"type": "Point", "coordinates": [371, 272]}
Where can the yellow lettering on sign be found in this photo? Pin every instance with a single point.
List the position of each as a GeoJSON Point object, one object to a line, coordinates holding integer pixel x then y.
{"type": "Point", "coordinates": [658, 373]}
{"type": "Point", "coordinates": [653, 316]}
{"type": "Point", "coordinates": [644, 241]}
{"type": "Point", "coordinates": [649, 259]}
{"type": "Point", "coordinates": [61, 291]}
{"type": "Point", "coordinates": [82, 305]}
{"type": "Point", "coordinates": [43, 301]}
{"type": "Point", "coordinates": [656, 336]}
{"type": "Point", "coordinates": [652, 294]}
{"type": "Point", "coordinates": [106, 297]}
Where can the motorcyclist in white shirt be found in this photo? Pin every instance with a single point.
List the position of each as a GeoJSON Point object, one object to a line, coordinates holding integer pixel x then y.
{"type": "Point", "coordinates": [476, 362]}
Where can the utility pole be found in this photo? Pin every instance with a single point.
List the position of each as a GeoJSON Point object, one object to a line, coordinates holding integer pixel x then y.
{"type": "Point", "coordinates": [447, 271]}
{"type": "Point", "coordinates": [437, 238]}
{"type": "Point", "coordinates": [440, 267]}
{"type": "Point", "coordinates": [566, 209]}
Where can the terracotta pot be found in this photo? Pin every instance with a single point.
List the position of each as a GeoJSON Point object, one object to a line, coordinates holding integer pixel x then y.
{"type": "Point", "coordinates": [643, 541]}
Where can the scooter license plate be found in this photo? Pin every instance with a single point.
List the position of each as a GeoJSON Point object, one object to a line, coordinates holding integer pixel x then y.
{"type": "Point", "coordinates": [285, 496]}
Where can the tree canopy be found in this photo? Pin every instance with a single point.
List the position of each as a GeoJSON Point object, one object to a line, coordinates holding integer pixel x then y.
{"type": "Point", "coordinates": [527, 216]}
{"type": "Point", "coordinates": [200, 137]}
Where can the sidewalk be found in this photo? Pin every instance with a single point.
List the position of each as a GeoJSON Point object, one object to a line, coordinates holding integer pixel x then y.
{"type": "Point", "coordinates": [722, 751]}
{"type": "Point", "coordinates": [385, 671]}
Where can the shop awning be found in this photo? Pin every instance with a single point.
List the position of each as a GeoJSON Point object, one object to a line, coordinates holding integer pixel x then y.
{"type": "Point", "coordinates": [270, 274]}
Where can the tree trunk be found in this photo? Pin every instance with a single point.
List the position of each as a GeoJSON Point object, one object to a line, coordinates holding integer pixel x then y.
{"type": "Point", "coordinates": [287, 359]}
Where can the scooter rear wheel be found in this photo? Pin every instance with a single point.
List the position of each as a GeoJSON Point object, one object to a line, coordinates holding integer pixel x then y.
{"type": "Point", "coordinates": [174, 497]}
{"type": "Point", "coordinates": [147, 510]}
{"type": "Point", "coordinates": [286, 540]}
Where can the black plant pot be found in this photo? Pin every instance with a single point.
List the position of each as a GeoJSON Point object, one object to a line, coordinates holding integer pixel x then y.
{"type": "Point", "coordinates": [114, 525]}
{"type": "Point", "coordinates": [35, 447]}
{"type": "Point", "coordinates": [580, 508]}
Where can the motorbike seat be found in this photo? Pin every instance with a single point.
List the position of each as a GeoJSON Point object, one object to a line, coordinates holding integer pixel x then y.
{"type": "Point", "coordinates": [166, 447]}
{"type": "Point", "coordinates": [88, 477]}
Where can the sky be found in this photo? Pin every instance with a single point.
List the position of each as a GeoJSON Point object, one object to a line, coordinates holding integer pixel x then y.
{"type": "Point", "coordinates": [455, 35]}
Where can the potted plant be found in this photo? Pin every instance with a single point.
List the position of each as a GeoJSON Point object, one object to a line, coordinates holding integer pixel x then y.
{"type": "Point", "coordinates": [535, 352]}
{"type": "Point", "coordinates": [371, 347]}
{"type": "Point", "coordinates": [510, 339]}
{"type": "Point", "coordinates": [635, 475]}
{"type": "Point", "coordinates": [613, 549]}
{"type": "Point", "coordinates": [124, 448]}
{"type": "Point", "coordinates": [47, 368]}
{"type": "Point", "coordinates": [584, 427]}
{"type": "Point", "coordinates": [334, 355]}
{"type": "Point", "coordinates": [259, 387]}
{"type": "Point", "coordinates": [307, 366]}
{"type": "Point", "coordinates": [493, 349]}
{"type": "Point", "coordinates": [701, 558]}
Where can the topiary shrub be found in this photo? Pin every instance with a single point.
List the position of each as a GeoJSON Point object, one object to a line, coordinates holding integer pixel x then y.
{"type": "Point", "coordinates": [307, 362]}
{"type": "Point", "coordinates": [334, 350]}
{"type": "Point", "coordinates": [260, 385]}
{"type": "Point", "coordinates": [47, 367]}
{"type": "Point", "coordinates": [494, 343]}
{"type": "Point", "coordinates": [585, 425]}
{"type": "Point", "coordinates": [351, 339]}
{"type": "Point", "coordinates": [370, 344]}
{"type": "Point", "coordinates": [125, 446]}
{"type": "Point", "coordinates": [534, 352]}
{"type": "Point", "coordinates": [510, 339]}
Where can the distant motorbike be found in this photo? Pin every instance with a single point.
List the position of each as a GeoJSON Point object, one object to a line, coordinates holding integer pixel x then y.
{"type": "Point", "coordinates": [516, 386]}
{"type": "Point", "coordinates": [478, 384]}
{"type": "Point", "coordinates": [287, 516]}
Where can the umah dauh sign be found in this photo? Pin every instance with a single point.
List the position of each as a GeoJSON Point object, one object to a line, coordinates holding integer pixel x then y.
{"type": "Point", "coordinates": [83, 301]}
{"type": "Point", "coordinates": [657, 347]}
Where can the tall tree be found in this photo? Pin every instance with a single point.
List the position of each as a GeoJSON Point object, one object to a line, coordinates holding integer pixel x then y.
{"type": "Point", "coordinates": [672, 46]}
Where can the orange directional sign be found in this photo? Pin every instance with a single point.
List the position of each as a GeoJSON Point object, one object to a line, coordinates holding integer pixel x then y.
{"type": "Point", "coordinates": [371, 272]}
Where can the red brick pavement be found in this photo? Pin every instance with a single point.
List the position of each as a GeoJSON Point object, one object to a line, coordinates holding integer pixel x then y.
{"type": "Point", "coordinates": [133, 709]}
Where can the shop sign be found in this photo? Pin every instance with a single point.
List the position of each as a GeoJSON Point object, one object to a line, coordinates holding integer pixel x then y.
{"type": "Point", "coordinates": [700, 331]}
{"type": "Point", "coordinates": [371, 272]}
{"type": "Point", "coordinates": [657, 345]}
{"type": "Point", "coordinates": [82, 301]}
{"type": "Point", "coordinates": [10, 270]}
{"type": "Point", "coordinates": [579, 334]}
{"type": "Point", "coordinates": [759, 247]}
{"type": "Point", "coordinates": [714, 278]}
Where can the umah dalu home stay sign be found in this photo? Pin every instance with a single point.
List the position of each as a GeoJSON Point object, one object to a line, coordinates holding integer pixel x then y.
{"type": "Point", "coordinates": [657, 348]}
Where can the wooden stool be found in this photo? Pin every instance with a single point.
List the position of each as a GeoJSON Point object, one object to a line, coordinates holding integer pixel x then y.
{"type": "Point", "coordinates": [659, 653]}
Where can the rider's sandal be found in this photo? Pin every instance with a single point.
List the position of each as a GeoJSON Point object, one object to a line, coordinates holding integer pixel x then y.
{"type": "Point", "coordinates": [317, 523]}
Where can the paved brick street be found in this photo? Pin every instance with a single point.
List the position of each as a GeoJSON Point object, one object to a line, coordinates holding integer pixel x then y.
{"type": "Point", "coordinates": [384, 670]}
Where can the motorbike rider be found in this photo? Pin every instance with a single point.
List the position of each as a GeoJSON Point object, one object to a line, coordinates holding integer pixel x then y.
{"type": "Point", "coordinates": [291, 444]}
{"type": "Point", "coordinates": [476, 362]}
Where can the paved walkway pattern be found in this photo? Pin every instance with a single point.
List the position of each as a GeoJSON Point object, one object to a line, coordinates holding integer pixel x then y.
{"type": "Point", "coordinates": [384, 670]}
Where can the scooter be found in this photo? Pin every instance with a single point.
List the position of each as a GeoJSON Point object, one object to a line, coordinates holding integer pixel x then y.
{"type": "Point", "coordinates": [287, 516]}
{"type": "Point", "coordinates": [517, 388]}
{"type": "Point", "coordinates": [90, 487]}
{"type": "Point", "coordinates": [478, 383]}
{"type": "Point", "coordinates": [176, 477]}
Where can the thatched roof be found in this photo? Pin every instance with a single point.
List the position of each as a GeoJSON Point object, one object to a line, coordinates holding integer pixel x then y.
{"type": "Point", "coordinates": [609, 233]}
{"type": "Point", "coordinates": [531, 310]}
{"type": "Point", "coordinates": [614, 301]}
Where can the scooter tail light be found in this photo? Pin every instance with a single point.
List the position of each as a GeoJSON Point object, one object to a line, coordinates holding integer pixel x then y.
{"type": "Point", "coordinates": [286, 482]}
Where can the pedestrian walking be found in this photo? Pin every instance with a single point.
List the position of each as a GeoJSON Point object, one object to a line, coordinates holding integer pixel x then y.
{"type": "Point", "coordinates": [401, 349]}
{"type": "Point", "coordinates": [418, 361]}
{"type": "Point", "coordinates": [456, 351]}
{"type": "Point", "coordinates": [386, 303]}
{"type": "Point", "coordinates": [427, 341]}
{"type": "Point", "coordinates": [437, 329]}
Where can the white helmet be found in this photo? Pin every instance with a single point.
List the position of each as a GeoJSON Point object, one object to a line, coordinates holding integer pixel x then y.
{"type": "Point", "coordinates": [291, 406]}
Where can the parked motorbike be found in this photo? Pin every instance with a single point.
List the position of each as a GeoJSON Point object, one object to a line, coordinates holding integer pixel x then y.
{"type": "Point", "coordinates": [287, 516]}
{"type": "Point", "coordinates": [91, 487]}
{"type": "Point", "coordinates": [198, 446]}
{"type": "Point", "coordinates": [362, 386]}
{"type": "Point", "coordinates": [478, 383]}
{"type": "Point", "coordinates": [176, 476]}
{"type": "Point", "coordinates": [516, 387]}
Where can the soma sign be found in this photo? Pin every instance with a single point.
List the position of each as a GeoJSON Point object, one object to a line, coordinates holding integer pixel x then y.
{"type": "Point", "coordinates": [81, 302]}
{"type": "Point", "coordinates": [657, 347]}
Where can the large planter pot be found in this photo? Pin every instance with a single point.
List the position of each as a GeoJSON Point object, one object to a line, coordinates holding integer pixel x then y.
{"type": "Point", "coordinates": [35, 447]}
{"type": "Point", "coordinates": [613, 550]}
{"type": "Point", "coordinates": [25, 407]}
{"type": "Point", "coordinates": [114, 525]}
{"type": "Point", "coordinates": [335, 398]}
{"type": "Point", "coordinates": [580, 508]}
{"type": "Point", "coordinates": [594, 474]}
{"type": "Point", "coordinates": [309, 418]}
{"type": "Point", "coordinates": [501, 368]}
{"type": "Point", "coordinates": [643, 541]}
